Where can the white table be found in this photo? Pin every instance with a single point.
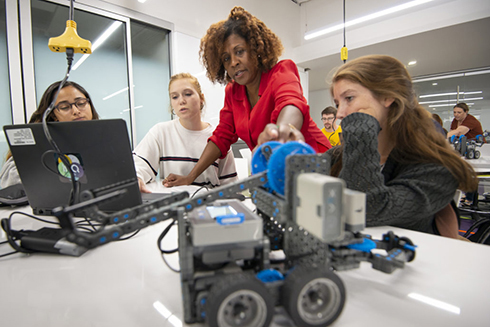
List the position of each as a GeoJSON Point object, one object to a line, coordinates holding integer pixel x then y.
{"type": "Point", "coordinates": [127, 284]}
{"type": "Point", "coordinates": [482, 164]}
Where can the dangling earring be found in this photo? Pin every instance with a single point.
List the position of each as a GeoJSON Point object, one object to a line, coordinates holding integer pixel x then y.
{"type": "Point", "coordinates": [173, 112]}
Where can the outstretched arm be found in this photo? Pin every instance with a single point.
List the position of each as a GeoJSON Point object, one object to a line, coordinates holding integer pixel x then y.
{"type": "Point", "coordinates": [461, 130]}
{"type": "Point", "coordinates": [289, 123]}
{"type": "Point", "coordinates": [209, 155]}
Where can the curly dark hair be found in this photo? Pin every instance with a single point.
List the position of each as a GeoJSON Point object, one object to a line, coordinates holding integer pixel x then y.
{"type": "Point", "coordinates": [265, 46]}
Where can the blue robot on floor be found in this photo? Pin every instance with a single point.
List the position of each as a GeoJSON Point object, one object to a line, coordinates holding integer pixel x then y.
{"type": "Point", "coordinates": [227, 276]}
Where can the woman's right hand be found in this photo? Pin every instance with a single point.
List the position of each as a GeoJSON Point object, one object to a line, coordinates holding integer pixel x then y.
{"type": "Point", "coordinates": [142, 186]}
{"type": "Point", "coordinates": [176, 180]}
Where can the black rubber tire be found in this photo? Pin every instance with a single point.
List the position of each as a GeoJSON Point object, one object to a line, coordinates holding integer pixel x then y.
{"type": "Point", "coordinates": [239, 300]}
{"type": "Point", "coordinates": [471, 154]}
{"type": "Point", "coordinates": [477, 154]}
{"type": "Point", "coordinates": [313, 296]}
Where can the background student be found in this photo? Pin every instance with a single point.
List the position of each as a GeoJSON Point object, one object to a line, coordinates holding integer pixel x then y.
{"type": "Point", "coordinates": [464, 123]}
{"type": "Point", "coordinates": [331, 130]}
{"type": "Point", "coordinates": [73, 104]}
{"type": "Point", "coordinates": [263, 98]}
{"type": "Point", "coordinates": [440, 124]}
{"type": "Point", "coordinates": [391, 150]}
{"type": "Point", "coordinates": [175, 146]}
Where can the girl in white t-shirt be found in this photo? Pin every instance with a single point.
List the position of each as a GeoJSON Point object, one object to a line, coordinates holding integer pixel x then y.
{"type": "Point", "coordinates": [175, 146]}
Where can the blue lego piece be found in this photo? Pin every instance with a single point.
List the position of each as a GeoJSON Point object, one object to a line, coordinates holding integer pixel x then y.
{"type": "Point", "coordinates": [231, 219]}
{"type": "Point", "coordinates": [366, 246]}
{"type": "Point", "coordinates": [410, 247]}
{"type": "Point", "coordinates": [269, 275]}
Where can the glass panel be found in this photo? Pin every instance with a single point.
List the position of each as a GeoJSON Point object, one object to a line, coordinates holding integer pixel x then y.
{"type": "Point", "coordinates": [440, 95]}
{"type": "Point", "coordinates": [103, 74]}
{"type": "Point", "coordinates": [151, 74]}
{"type": "Point", "coordinates": [5, 108]}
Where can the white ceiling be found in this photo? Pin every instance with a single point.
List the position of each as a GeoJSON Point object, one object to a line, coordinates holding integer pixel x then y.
{"type": "Point", "coordinates": [454, 48]}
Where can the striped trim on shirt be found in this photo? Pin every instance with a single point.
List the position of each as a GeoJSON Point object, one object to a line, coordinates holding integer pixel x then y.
{"type": "Point", "coordinates": [185, 159]}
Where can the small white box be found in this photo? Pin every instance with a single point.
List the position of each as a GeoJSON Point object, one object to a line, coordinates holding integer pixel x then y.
{"type": "Point", "coordinates": [354, 210]}
{"type": "Point", "coordinates": [318, 206]}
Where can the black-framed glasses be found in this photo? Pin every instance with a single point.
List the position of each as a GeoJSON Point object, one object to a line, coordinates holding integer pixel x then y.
{"type": "Point", "coordinates": [328, 119]}
{"type": "Point", "coordinates": [65, 106]}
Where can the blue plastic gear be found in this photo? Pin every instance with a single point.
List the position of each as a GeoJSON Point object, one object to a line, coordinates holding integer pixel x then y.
{"type": "Point", "coordinates": [259, 160]}
{"type": "Point", "coordinates": [277, 163]}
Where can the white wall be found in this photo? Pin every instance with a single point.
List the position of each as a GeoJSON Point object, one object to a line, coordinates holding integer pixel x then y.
{"type": "Point", "coordinates": [432, 15]}
{"type": "Point", "coordinates": [185, 59]}
{"type": "Point", "coordinates": [193, 17]}
{"type": "Point", "coordinates": [318, 101]}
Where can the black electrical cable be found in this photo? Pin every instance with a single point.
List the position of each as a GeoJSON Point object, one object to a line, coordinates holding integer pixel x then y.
{"type": "Point", "coordinates": [162, 235]}
{"type": "Point", "coordinates": [43, 162]}
{"type": "Point", "coordinates": [165, 252]}
{"type": "Point", "coordinates": [344, 25]}
{"type": "Point", "coordinates": [11, 238]}
{"type": "Point", "coordinates": [62, 157]}
{"type": "Point", "coordinates": [204, 186]}
{"type": "Point", "coordinates": [168, 265]}
{"type": "Point", "coordinates": [129, 236]}
{"type": "Point", "coordinates": [71, 14]}
{"type": "Point", "coordinates": [12, 235]}
{"type": "Point", "coordinates": [33, 217]}
{"type": "Point", "coordinates": [6, 254]}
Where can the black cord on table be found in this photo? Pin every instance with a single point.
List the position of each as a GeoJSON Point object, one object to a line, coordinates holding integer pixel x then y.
{"type": "Point", "coordinates": [7, 254]}
{"type": "Point", "coordinates": [165, 252]}
{"type": "Point", "coordinates": [204, 186]}
{"type": "Point", "coordinates": [129, 236]}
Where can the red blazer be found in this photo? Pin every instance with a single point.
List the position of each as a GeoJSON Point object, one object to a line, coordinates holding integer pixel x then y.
{"type": "Point", "coordinates": [278, 88]}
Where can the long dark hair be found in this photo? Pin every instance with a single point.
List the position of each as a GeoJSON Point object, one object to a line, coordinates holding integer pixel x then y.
{"type": "Point", "coordinates": [48, 97]}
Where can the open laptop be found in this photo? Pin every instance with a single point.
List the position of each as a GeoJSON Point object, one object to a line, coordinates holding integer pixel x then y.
{"type": "Point", "coordinates": [99, 152]}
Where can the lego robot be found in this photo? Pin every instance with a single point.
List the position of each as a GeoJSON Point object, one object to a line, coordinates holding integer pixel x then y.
{"type": "Point", "coordinates": [226, 273]}
{"type": "Point", "coordinates": [466, 148]}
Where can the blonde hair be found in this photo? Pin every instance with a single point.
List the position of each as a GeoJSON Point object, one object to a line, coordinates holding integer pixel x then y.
{"type": "Point", "coordinates": [408, 124]}
{"type": "Point", "coordinates": [194, 82]}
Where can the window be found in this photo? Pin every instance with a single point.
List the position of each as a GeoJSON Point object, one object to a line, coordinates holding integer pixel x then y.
{"type": "Point", "coordinates": [5, 108]}
{"type": "Point", "coordinates": [134, 53]}
{"type": "Point", "coordinates": [151, 74]}
{"type": "Point", "coordinates": [103, 74]}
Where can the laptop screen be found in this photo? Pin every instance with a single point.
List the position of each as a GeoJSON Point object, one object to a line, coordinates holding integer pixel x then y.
{"type": "Point", "coordinates": [99, 154]}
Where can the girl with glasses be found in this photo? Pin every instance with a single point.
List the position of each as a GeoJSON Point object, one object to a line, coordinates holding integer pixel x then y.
{"type": "Point", "coordinates": [73, 104]}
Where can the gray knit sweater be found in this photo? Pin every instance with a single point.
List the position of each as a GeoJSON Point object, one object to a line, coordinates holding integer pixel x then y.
{"type": "Point", "coordinates": [402, 195]}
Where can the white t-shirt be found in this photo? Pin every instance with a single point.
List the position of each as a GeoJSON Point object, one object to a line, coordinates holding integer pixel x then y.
{"type": "Point", "coordinates": [171, 148]}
